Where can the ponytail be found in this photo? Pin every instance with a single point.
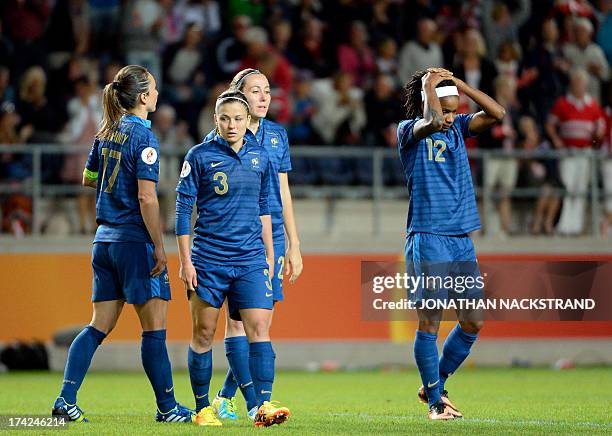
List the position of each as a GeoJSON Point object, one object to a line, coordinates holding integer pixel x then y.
{"type": "Point", "coordinates": [121, 95]}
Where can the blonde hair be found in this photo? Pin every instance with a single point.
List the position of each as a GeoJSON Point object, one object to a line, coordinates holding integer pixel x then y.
{"type": "Point", "coordinates": [30, 76]}
{"type": "Point", "coordinates": [481, 48]}
{"type": "Point", "coordinates": [121, 95]}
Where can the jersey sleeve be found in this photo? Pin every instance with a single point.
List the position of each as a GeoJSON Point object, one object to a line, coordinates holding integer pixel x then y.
{"type": "Point", "coordinates": [405, 134]}
{"type": "Point", "coordinates": [147, 158]}
{"type": "Point", "coordinates": [285, 163]}
{"type": "Point", "coordinates": [93, 162]}
{"type": "Point", "coordinates": [264, 193]}
{"type": "Point", "coordinates": [463, 122]}
{"type": "Point", "coordinates": [189, 180]}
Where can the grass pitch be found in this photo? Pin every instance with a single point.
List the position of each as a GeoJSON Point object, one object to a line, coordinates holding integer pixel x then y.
{"type": "Point", "coordinates": [494, 401]}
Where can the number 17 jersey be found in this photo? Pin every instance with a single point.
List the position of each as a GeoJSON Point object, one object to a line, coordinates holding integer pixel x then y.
{"type": "Point", "coordinates": [440, 186]}
{"type": "Point", "coordinates": [125, 154]}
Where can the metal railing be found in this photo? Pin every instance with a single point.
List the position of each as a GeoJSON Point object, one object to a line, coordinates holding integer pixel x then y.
{"type": "Point", "coordinates": [376, 190]}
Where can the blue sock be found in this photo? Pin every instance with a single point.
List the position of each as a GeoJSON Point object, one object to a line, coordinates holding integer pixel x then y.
{"type": "Point", "coordinates": [156, 364]}
{"type": "Point", "coordinates": [200, 373]}
{"type": "Point", "coordinates": [261, 363]}
{"type": "Point", "coordinates": [80, 353]}
{"type": "Point", "coordinates": [456, 349]}
{"type": "Point", "coordinates": [426, 356]}
{"type": "Point", "coordinates": [237, 352]}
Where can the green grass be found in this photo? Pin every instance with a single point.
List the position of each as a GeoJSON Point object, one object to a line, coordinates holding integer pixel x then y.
{"type": "Point", "coordinates": [500, 401]}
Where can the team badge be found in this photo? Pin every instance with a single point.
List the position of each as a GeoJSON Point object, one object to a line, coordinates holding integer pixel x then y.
{"type": "Point", "coordinates": [274, 141]}
{"type": "Point", "coordinates": [255, 162]}
{"type": "Point", "coordinates": [149, 155]}
{"type": "Point", "coordinates": [186, 169]}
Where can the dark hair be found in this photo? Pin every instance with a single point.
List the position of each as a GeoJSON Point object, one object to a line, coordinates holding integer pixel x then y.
{"type": "Point", "coordinates": [232, 95]}
{"type": "Point", "coordinates": [412, 93]}
{"type": "Point", "coordinates": [122, 94]}
{"type": "Point", "coordinates": [238, 80]}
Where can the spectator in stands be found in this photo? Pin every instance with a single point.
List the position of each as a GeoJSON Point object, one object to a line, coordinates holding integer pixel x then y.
{"type": "Point", "coordinates": [540, 173]}
{"type": "Point", "coordinates": [575, 122]}
{"type": "Point", "coordinates": [545, 69]}
{"type": "Point", "coordinates": [14, 167]}
{"type": "Point", "coordinates": [300, 131]}
{"type": "Point", "coordinates": [472, 66]}
{"type": "Point", "coordinates": [281, 36]}
{"type": "Point", "coordinates": [606, 166]}
{"type": "Point", "coordinates": [340, 116]}
{"type": "Point", "coordinates": [310, 52]}
{"type": "Point", "coordinates": [25, 23]}
{"type": "Point", "coordinates": [142, 36]}
{"type": "Point", "coordinates": [386, 58]}
{"type": "Point", "coordinates": [85, 114]}
{"type": "Point", "coordinates": [508, 57]}
{"type": "Point", "coordinates": [422, 53]}
{"type": "Point", "coordinates": [502, 171]}
{"type": "Point", "coordinates": [604, 35]}
{"type": "Point", "coordinates": [104, 25]}
{"type": "Point", "coordinates": [184, 75]}
{"type": "Point", "coordinates": [206, 14]}
{"type": "Point", "coordinates": [7, 92]}
{"type": "Point", "coordinates": [67, 32]}
{"type": "Point", "coordinates": [261, 55]}
{"type": "Point", "coordinates": [383, 109]}
{"type": "Point", "coordinates": [356, 57]}
{"type": "Point", "coordinates": [173, 140]}
{"type": "Point", "coordinates": [499, 24]}
{"type": "Point", "coordinates": [584, 53]}
{"type": "Point", "coordinates": [232, 48]}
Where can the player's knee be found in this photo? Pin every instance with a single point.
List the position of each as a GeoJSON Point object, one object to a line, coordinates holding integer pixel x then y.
{"type": "Point", "coordinates": [472, 327]}
{"type": "Point", "coordinates": [234, 328]}
{"type": "Point", "coordinates": [258, 330]}
{"type": "Point", "coordinates": [203, 335]}
{"type": "Point", "coordinates": [430, 327]}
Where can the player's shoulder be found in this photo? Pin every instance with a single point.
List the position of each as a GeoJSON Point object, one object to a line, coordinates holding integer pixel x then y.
{"type": "Point", "coordinates": [404, 127]}
{"type": "Point", "coordinates": [198, 151]}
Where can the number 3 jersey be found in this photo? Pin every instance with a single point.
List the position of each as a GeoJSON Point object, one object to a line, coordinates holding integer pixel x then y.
{"type": "Point", "coordinates": [437, 171]}
{"type": "Point", "coordinates": [231, 191]}
{"type": "Point", "coordinates": [125, 154]}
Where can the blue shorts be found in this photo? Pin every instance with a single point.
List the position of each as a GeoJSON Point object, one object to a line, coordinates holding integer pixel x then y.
{"type": "Point", "coordinates": [279, 269]}
{"type": "Point", "coordinates": [121, 271]}
{"type": "Point", "coordinates": [245, 287]}
{"type": "Point", "coordinates": [447, 266]}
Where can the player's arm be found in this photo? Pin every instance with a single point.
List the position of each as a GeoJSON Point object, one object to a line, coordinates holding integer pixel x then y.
{"type": "Point", "coordinates": [149, 209]}
{"type": "Point", "coordinates": [186, 192]}
{"type": "Point", "coordinates": [90, 173]}
{"type": "Point", "coordinates": [293, 256]}
{"type": "Point", "coordinates": [433, 119]}
{"type": "Point", "coordinates": [266, 219]}
{"type": "Point", "coordinates": [492, 112]}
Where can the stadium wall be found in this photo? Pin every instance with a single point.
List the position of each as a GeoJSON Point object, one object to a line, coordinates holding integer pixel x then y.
{"type": "Point", "coordinates": [319, 326]}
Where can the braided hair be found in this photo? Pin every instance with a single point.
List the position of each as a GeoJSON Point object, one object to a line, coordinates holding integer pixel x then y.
{"type": "Point", "coordinates": [412, 93]}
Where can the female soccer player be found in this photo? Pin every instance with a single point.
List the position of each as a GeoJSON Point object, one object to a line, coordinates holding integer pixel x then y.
{"type": "Point", "coordinates": [129, 261]}
{"type": "Point", "coordinates": [442, 213]}
{"type": "Point", "coordinates": [228, 177]}
{"type": "Point", "coordinates": [273, 137]}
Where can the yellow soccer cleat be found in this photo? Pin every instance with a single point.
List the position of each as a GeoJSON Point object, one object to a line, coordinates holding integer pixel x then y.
{"type": "Point", "coordinates": [268, 414]}
{"type": "Point", "coordinates": [206, 416]}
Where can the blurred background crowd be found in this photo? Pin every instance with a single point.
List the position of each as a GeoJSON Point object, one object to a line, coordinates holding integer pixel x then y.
{"type": "Point", "coordinates": [337, 68]}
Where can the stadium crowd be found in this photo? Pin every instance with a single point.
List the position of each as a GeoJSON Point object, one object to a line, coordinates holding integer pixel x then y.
{"type": "Point", "coordinates": [337, 68]}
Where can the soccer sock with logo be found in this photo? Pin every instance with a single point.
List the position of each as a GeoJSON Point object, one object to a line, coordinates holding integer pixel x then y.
{"type": "Point", "coordinates": [156, 364]}
{"type": "Point", "coordinates": [261, 364]}
{"type": "Point", "coordinates": [456, 349]}
{"type": "Point", "coordinates": [80, 354]}
{"type": "Point", "coordinates": [200, 373]}
{"type": "Point", "coordinates": [237, 352]}
{"type": "Point", "coordinates": [426, 356]}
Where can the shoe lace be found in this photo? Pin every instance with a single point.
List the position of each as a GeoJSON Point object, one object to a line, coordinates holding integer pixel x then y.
{"type": "Point", "coordinates": [231, 405]}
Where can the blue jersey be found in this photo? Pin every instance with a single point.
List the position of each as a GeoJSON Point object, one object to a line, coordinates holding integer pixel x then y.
{"type": "Point", "coordinates": [273, 137]}
{"type": "Point", "coordinates": [126, 154]}
{"type": "Point", "coordinates": [231, 191]}
{"type": "Point", "coordinates": [437, 170]}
